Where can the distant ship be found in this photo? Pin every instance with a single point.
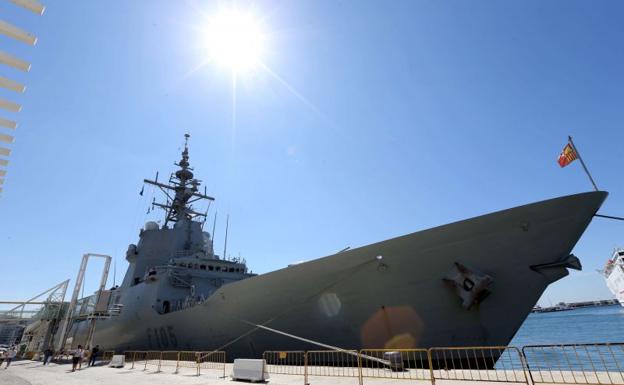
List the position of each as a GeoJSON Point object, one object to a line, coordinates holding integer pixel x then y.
{"type": "Point", "coordinates": [614, 274]}
{"type": "Point", "coordinates": [468, 283]}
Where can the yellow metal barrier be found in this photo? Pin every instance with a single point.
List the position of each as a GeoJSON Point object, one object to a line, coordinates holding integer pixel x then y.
{"type": "Point", "coordinates": [138, 359]}
{"type": "Point", "coordinates": [107, 356]}
{"type": "Point", "coordinates": [479, 363]}
{"type": "Point", "coordinates": [285, 362]}
{"type": "Point", "coordinates": [400, 364]}
{"type": "Point", "coordinates": [331, 363]}
{"type": "Point", "coordinates": [170, 359]}
{"type": "Point", "coordinates": [189, 360]}
{"type": "Point", "coordinates": [211, 360]}
{"type": "Point", "coordinates": [576, 363]}
{"type": "Point", "coordinates": [153, 358]}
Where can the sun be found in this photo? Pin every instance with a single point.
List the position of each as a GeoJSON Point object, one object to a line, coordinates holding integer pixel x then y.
{"type": "Point", "coordinates": [234, 39]}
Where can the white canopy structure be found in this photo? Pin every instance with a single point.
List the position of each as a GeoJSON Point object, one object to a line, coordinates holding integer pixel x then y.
{"type": "Point", "coordinates": [9, 60]}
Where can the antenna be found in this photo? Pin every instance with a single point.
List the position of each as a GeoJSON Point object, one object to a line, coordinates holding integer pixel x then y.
{"type": "Point", "coordinates": [214, 223]}
{"type": "Point", "coordinates": [114, 271]}
{"type": "Point", "coordinates": [227, 225]}
{"type": "Point", "coordinates": [206, 215]}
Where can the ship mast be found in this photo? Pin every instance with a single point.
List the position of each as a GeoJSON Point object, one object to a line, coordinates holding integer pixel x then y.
{"type": "Point", "coordinates": [181, 191]}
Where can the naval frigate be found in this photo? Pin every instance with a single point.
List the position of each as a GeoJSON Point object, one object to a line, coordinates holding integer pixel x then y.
{"type": "Point", "coordinates": [468, 283]}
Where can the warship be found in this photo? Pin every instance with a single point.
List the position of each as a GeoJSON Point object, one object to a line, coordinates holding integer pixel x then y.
{"type": "Point", "coordinates": [468, 283]}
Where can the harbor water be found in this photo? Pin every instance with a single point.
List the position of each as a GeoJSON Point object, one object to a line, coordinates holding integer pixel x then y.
{"type": "Point", "coordinates": [584, 325]}
{"type": "Point", "coordinates": [590, 325]}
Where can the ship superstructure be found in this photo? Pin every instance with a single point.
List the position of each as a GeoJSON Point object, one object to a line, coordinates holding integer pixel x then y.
{"type": "Point", "coordinates": [468, 283]}
{"type": "Point", "coordinates": [614, 274]}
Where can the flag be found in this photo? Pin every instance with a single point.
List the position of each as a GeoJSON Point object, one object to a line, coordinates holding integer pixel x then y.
{"type": "Point", "coordinates": [142, 189]}
{"type": "Point", "coordinates": [567, 156]}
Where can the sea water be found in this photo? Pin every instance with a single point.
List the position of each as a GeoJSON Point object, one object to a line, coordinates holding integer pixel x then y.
{"type": "Point", "coordinates": [594, 337]}
{"type": "Point", "coordinates": [583, 325]}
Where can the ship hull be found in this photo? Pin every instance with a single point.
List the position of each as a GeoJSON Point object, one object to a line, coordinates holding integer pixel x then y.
{"type": "Point", "coordinates": [615, 283]}
{"type": "Point", "coordinates": [390, 294]}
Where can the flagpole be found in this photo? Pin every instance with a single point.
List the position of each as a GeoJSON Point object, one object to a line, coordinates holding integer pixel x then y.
{"type": "Point", "coordinates": [582, 163]}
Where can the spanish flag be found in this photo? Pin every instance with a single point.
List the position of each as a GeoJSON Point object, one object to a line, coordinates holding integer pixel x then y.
{"type": "Point", "coordinates": [567, 156]}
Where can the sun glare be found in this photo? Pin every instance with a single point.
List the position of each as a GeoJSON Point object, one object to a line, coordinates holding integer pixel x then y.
{"type": "Point", "coordinates": [235, 40]}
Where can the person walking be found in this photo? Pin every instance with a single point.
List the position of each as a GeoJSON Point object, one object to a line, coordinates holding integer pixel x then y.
{"type": "Point", "coordinates": [94, 353]}
{"type": "Point", "coordinates": [77, 356]}
{"type": "Point", "coordinates": [10, 355]}
{"type": "Point", "coordinates": [46, 355]}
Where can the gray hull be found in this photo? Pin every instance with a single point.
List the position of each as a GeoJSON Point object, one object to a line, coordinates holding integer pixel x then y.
{"type": "Point", "coordinates": [355, 300]}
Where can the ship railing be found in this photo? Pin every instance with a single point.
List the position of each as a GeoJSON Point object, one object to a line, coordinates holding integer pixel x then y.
{"type": "Point", "coordinates": [477, 364]}
{"type": "Point", "coordinates": [596, 364]}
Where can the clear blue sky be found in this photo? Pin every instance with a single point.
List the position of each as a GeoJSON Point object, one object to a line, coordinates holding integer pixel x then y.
{"type": "Point", "coordinates": [391, 117]}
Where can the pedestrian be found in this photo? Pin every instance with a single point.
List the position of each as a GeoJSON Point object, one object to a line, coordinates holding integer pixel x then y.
{"type": "Point", "coordinates": [46, 355]}
{"type": "Point", "coordinates": [2, 357]}
{"type": "Point", "coordinates": [10, 355]}
{"type": "Point", "coordinates": [86, 353]}
{"type": "Point", "coordinates": [77, 357]}
{"type": "Point", "coordinates": [94, 354]}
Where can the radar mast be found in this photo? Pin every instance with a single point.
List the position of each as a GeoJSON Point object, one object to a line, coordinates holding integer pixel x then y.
{"type": "Point", "coordinates": [181, 191]}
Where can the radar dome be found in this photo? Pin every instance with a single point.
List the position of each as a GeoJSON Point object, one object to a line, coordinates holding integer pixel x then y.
{"type": "Point", "coordinates": [151, 226]}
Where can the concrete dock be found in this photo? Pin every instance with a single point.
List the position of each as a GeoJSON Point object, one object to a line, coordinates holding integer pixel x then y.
{"type": "Point", "coordinates": [28, 372]}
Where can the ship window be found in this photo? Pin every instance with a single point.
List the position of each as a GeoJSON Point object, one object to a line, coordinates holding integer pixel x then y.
{"type": "Point", "coordinates": [203, 267]}
{"type": "Point", "coordinates": [210, 267]}
{"type": "Point", "coordinates": [196, 266]}
{"type": "Point", "coordinates": [231, 269]}
{"type": "Point", "coordinates": [218, 268]}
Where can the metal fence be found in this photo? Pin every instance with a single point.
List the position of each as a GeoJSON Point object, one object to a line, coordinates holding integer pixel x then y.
{"type": "Point", "coordinates": [398, 364]}
{"type": "Point", "coordinates": [214, 360]}
{"type": "Point", "coordinates": [583, 364]}
{"type": "Point", "coordinates": [477, 364]}
{"type": "Point", "coordinates": [285, 362]}
{"type": "Point", "coordinates": [188, 361]}
{"type": "Point", "coordinates": [331, 363]}
{"type": "Point", "coordinates": [576, 363]}
{"type": "Point", "coordinates": [107, 356]}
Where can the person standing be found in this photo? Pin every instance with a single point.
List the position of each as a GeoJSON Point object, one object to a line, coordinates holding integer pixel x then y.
{"type": "Point", "coordinates": [46, 355]}
{"type": "Point", "coordinates": [10, 355]}
{"type": "Point", "coordinates": [77, 357]}
{"type": "Point", "coordinates": [94, 353]}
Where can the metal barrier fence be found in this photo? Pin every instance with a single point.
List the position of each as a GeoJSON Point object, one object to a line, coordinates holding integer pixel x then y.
{"type": "Point", "coordinates": [153, 358]}
{"type": "Point", "coordinates": [398, 364]}
{"type": "Point", "coordinates": [480, 363]}
{"type": "Point", "coordinates": [581, 364]}
{"type": "Point", "coordinates": [576, 363]}
{"type": "Point", "coordinates": [139, 359]}
{"type": "Point", "coordinates": [331, 363]}
{"type": "Point", "coordinates": [189, 360]}
{"type": "Point", "coordinates": [107, 356]}
{"type": "Point", "coordinates": [211, 360]}
{"type": "Point", "coordinates": [285, 362]}
{"type": "Point", "coordinates": [169, 359]}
